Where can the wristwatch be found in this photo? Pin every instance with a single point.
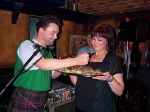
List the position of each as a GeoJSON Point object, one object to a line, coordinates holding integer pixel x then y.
{"type": "Point", "coordinates": [111, 79]}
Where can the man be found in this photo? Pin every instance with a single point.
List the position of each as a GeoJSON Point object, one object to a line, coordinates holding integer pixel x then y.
{"type": "Point", "coordinates": [33, 84]}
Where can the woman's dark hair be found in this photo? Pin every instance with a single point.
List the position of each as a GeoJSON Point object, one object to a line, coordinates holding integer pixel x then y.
{"type": "Point", "coordinates": [107, 32]}
{"type": "Point", "coordinates": [46, 20]}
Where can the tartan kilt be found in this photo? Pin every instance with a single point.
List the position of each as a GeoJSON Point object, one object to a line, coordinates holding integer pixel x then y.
{"type": "Point", "coordinates": [23, 100]}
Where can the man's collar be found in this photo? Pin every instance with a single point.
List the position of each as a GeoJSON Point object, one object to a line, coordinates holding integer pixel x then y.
{"type": "Point", "coordinates": [37, 42]}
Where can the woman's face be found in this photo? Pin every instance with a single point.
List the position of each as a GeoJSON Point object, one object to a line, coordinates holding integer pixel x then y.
{"type": "Point", "coordinates": [99, 43]}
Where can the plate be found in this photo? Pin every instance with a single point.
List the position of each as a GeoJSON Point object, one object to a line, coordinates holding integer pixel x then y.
{"type": "Point", "coordinates": [81, 70]}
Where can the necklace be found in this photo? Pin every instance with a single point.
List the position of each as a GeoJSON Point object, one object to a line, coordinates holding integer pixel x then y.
{"type": "Point", "coordinates": [98, 57]}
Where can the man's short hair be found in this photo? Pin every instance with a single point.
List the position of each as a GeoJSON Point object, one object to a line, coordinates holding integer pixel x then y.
{"type": "Point", "coordinates": [46, 20]}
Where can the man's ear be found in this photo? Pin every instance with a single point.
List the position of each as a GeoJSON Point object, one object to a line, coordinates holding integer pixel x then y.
{"type": "Point", "coordinates": [41, 29]}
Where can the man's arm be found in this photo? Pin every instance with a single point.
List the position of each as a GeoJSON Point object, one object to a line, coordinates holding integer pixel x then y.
{"type": "Point", "coordinates": [54, 64]}
{"type": "Point", "coordinates": [26, 50]}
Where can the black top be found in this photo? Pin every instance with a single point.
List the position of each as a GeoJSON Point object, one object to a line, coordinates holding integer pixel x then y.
{"type": "Point", "coordinates": [95, 95]}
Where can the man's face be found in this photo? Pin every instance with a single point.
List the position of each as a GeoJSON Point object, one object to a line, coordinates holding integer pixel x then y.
{"type": "Point", "coordinates": [49, 35]}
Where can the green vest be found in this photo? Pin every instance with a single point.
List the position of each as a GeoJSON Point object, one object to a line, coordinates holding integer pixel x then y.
{"type": "Point", "coordinates": [36, 80]}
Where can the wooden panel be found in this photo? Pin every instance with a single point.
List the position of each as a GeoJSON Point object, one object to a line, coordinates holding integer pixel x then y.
{"type": "Point", "coordinates": [10, 36]}
{"type": "Point", "coordinates": [68, 28]}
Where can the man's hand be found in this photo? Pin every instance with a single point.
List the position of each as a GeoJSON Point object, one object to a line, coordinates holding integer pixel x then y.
{"type": "Point", "coordinates": [82, 58]}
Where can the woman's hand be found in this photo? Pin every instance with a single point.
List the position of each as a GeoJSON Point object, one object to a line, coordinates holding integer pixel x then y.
{"type": "Point", "coordinates": [106, 76]}
{"type": "Point", "coordinates": [115, 82]}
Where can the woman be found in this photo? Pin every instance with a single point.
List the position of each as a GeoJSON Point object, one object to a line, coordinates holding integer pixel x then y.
{"type": "Point", "coordinates": [97, 94]}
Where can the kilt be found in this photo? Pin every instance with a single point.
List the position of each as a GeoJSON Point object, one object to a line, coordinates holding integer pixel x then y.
{"type": "Point", "coordinates": [23, 100]}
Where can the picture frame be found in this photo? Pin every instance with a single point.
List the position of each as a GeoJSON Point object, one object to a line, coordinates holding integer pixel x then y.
{"type": "Point", "coordinates": [76, 42]}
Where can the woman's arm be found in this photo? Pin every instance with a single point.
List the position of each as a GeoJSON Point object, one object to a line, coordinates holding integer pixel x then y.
{"type": "Point", "coordinates": [73, 79]}
{"type": "Point", "coordinates": [115, 81]}
{"type": "Point", "coordinates": [55, 74]}
{"type": "Point", "coordinates": [117, 84]}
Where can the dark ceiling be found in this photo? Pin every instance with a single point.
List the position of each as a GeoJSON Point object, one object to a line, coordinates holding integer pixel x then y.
{"type": "Point", "coordinates": [45, 7]}
{"type": "Point", "coordinates": [33, 3]}
{"type": "Point", "coordinates": [85, 10]}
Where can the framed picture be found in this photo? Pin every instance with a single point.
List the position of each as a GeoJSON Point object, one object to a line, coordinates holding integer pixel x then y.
{"type": "Point", "coordinates": [76, 42]}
